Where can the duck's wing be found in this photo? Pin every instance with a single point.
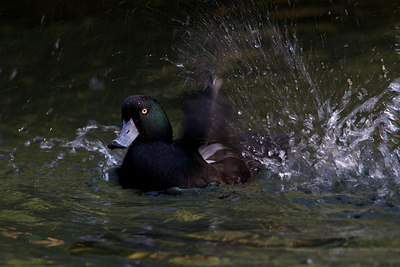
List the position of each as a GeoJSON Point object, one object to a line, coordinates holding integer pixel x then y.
{"type": "Point", "coordinates": [206, 115]}
{"type": "Point", "coordinates": [205, 130]}
{"type": "Point", "coordinates": [227, 163]}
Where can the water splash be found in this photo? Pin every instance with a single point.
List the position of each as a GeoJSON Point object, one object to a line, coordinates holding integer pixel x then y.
{"type": "Point", "coordinates": [345, 129]}
{"type": "Point", "coordinates": [88, 139]}
{"type": "Point", "coordinates": [359, 147]}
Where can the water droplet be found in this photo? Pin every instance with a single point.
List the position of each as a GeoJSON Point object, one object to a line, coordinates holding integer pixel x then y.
{"type": "Point", "coordinates": [96, 84]}
{"type": "Point", "coordinates": [57, 43]}
{"type": "Point", "coordinates": [49, 111]}
{"type": "Point", "coordinates": [13, 74]}
{"type": "Point", "coordinates": [349, 82]}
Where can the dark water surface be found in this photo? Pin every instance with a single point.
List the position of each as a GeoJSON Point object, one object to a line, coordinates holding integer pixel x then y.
{"type": "Point", "coordinates": [327, 73]}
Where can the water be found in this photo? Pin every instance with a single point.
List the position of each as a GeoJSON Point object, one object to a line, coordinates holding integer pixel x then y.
{"type": "Point", "coordinates": [325, 74]}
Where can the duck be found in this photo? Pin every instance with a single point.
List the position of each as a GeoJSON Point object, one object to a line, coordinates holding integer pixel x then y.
{"type": "Point", "coordinates": [202, 155]}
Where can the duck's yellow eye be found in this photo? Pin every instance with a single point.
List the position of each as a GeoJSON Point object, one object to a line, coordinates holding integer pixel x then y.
{"type": "Point", "coordinates": [144, 111]}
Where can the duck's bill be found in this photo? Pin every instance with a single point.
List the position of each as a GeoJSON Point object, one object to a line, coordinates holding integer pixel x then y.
{"type": "Point", "coordinates": [128, 133]}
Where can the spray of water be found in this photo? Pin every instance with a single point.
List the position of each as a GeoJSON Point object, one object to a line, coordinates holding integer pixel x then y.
{"type": "Point", "coordinates": [344, 134]}
{"type": "Point", "coordinates": [94, 144]}
{"type": "Point", "coordinates": [89, 145]}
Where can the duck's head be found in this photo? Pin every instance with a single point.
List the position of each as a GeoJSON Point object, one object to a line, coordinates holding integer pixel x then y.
{"type": "Point", "coordinates": [142, 119]}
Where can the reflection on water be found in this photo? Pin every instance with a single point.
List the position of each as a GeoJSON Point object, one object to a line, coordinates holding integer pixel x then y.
{"type": "Point", "coordinates": [329, 79]}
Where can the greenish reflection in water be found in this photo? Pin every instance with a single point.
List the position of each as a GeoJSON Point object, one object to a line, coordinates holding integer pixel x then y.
{"type": "Point", "coordinates": [61, 87]}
